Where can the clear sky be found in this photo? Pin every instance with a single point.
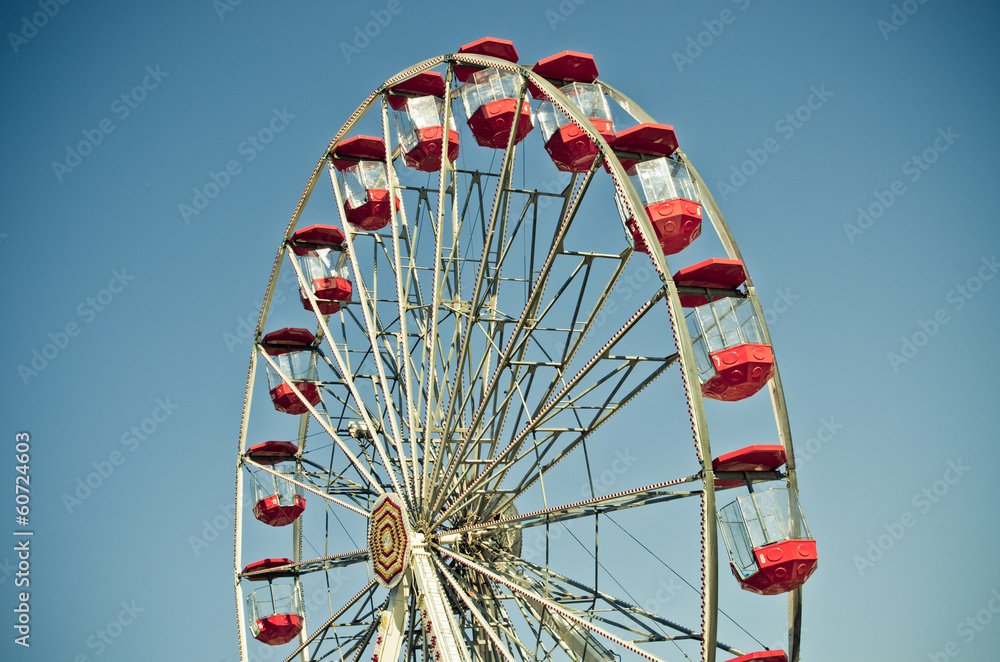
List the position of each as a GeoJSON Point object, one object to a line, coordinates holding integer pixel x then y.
{"type": "Point", "coordinates": [870, 231]}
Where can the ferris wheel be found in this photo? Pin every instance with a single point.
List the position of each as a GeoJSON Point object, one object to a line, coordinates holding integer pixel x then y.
{"type": "Point", "coordinates": [483, 433]}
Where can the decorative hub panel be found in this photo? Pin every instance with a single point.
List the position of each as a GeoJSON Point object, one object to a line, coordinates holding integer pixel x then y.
{"type": "Point", "coordinates": [389, 543]}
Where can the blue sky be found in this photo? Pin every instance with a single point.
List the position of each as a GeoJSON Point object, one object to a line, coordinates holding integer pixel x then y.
{"type": "Point", "coordinates": [866, 216]}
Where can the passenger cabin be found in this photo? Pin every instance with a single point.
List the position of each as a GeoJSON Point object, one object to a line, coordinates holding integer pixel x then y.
{"type": "Point", "coordinates": [770, 548]}
{"type": "Point", "coordinates": [733, 360]}
{"type": "Point", "coordinates": [363, 182]}
{"type": "Point", "coordinates": [570, 147]}
{"type": "Point", "coordinates": [291, 349]}
{"type": "Point", "coordinates": [489, 96]}
{"type": "Point", "coordinates": [664, 186]}
{"type": "Point", "coordinates": [276, 613]}
{"type": "Point", "coordinates": [324, 265]}
{"type": "Point", "coordinates": [419, 113]}
{"type": "Point", "coordinates": [277, 502]}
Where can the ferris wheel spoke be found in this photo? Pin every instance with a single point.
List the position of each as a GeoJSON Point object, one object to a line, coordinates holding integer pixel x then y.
{"type": "Point", "coordinates": [556, 632]}
{"type": "Point", "coordinates": [350, 642]}
{"type": "Point", "coordinates": [487, 628]}
{"type": "Point", "coordinates": [546, 603]}
{"type": "Point", "coordinates": [562, 366]}
{"type": "Point", "coordinates": [637, 632]}
{"type": "Point", "coordinates": [574, 331]}
{"type": "Point", "coordinates": [487, 593]}
{"type": "Point", "coordinates": [576, 642]}
{"type": "Point", "coordinates": [403, 280]}
{"type": "Point", "coordinates": [313, 565]}
{"type": "Point", "coordinates": [325, 424]}
{"type": "Point", "coordinates": [573, 335]}
{"type": "Point", "coordinates": [537, 451]}
{"type": "Point", "coordinates": [334, 483]}
{"type": "Point", "coordinates": [487, 274]}
{"type": "Point", "coordinates": [513, 342]}
{"type": "Point", "coordinates": [577, 331]}
{"type": "Point", "coordinates": [551, 406]}
{"type": "Point", "coordinates": [531, 617]}
{"type": "Point", "coordinates": [485, 295]}
{"type": "Point", "coordinates": [321, 630]}
{"type": "Point", "coordinates": [461, 449]}
{"type": "Point", "coordinates": [308, 488]}
{"type": "Point", "coordinates": [640, 496]}
{"type": "Point", "coordinates": [431, 346]}
{"type": "Point", "coordinates": [434, 383]}
{"type": "Point", "coordinates": [557, 359]}
{"type": "Point", "coordinates": [363, 638]}
{"type": "Point", "coordinates": [484, 590]}
{"type": "Point", "coordinates": [646, 626]}
{"type": "Point", "coordinates": [361, 373]}
{"type": "Point", "coordinates": [554, 406]}
{"type": "Point", "coordinates": [527, 329]}
{"type": "Point", "coordinates": [366, 305]}
{"type": "Point", "coordinates": [515, 339]}
{"type": "Point", "coordinates": [369, 411]}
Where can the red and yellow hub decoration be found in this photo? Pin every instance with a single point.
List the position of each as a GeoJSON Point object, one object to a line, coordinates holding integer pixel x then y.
{"type": "Point", "coordinates": [389, 539]}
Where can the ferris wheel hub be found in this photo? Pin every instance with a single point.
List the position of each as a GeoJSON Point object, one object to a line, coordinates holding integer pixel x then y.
{"type": "Point", "coordinates": [390, 539]}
